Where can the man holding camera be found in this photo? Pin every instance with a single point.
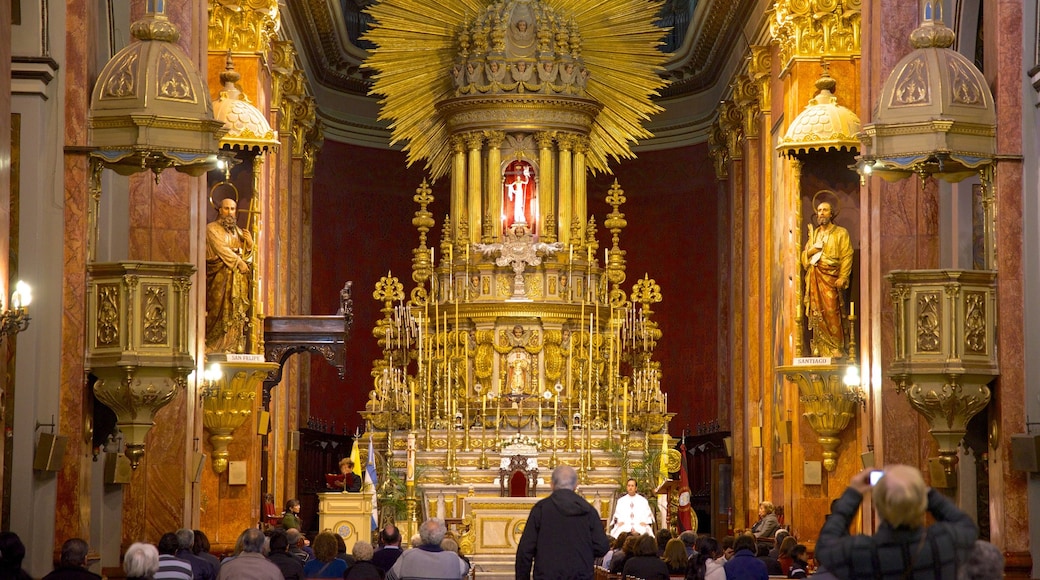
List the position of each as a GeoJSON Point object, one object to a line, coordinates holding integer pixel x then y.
{"type": "Point", "coordinates": [902, 547]}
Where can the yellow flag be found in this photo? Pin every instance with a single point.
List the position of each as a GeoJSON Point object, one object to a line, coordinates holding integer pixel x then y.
{"type": "Point", "coordinates": [355, 456]}
{"type": "Point", "coordinates": [662, 471]}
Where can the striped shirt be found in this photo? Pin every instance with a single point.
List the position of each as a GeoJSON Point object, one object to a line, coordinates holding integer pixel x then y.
{"type": "Point", "coordinates": [173, 568]}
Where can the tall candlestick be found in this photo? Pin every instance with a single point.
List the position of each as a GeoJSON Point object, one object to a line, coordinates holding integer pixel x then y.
{"type": "Point", "coordinates": [570, 365]}
{"type": "Point", "coordinates": [624, 413]}
{"type": "Point", "coordinates": [539, 416]}
{"type": "Point", "coordinates": [556, 415]}
{"type": "Point", "coordinates": [570, 270]}
{"type": "Point", "coordinates": [410, 459]}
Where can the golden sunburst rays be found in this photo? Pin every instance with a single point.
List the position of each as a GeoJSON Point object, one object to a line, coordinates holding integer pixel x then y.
{"type": "Point", "coordinates": [417, 44]}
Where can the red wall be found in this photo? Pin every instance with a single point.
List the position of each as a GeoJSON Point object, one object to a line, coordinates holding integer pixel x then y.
{"type": "Point", "coordinates": [364, 229]}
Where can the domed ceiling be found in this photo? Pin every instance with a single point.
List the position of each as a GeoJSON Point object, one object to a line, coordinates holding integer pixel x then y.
{"type": "Point", "coordinates": [707, 40]}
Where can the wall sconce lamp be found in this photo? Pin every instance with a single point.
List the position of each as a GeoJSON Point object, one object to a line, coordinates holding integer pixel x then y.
{"type": "Point", "coordinates": [229, 388]}
{"type": "Point", "coordinates": [14, 318]}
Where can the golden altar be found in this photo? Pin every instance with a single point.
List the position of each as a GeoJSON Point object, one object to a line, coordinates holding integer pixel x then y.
{"type": "Point", "coordinates": [517, 327]}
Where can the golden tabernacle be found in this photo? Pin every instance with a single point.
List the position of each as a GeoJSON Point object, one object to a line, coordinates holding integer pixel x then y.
{"type": "Point", "coordinates": [517, 347]}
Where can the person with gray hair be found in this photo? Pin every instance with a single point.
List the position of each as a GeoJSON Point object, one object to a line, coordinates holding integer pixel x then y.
{"type": "Point", "coordinates": [563, 535]}
{"type": "Point", "coordinates": [200, 568]}
{"type": "Point", "coordinates": [250, 563]}
{"type": "Point", "coordinates": [984, 563]}
{"type": "Point", "coordinates": [428, 561]}
{"type": "Point", "coordinates": [363, 568]}
{"type": "Point", "coordinates": [902, 546]}
{"type": "Point", "coordinates": [141, 561]}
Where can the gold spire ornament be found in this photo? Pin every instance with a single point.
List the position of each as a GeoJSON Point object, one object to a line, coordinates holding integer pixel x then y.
{"type": "Point", "coordinates": [610, 45]}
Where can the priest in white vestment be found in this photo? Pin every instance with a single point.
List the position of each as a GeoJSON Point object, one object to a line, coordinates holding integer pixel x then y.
{"type": "Point", "coordinates": [632, 513]}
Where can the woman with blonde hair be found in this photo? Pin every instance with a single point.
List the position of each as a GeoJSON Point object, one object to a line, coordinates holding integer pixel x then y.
{"type": "Point", "coordinates": [767, 522]}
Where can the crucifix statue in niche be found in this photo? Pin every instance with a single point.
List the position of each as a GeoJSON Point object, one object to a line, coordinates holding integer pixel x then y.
{"type": "Point", "coordinates": [520, 196]}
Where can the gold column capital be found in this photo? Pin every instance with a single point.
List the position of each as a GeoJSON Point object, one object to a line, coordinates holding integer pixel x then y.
{"type": "Point", "coordinates": [759, 69]}
{"type": "Point", "coordinates": [731, 121]}
{"type": "Point", "coordinates": [458, 144]}
{"type": "Point", "coordinates": [494, 138]}
{"type": "Point", "coordinates": [282, 56]}
{"type": "Point", "coordinates": [474, 140]}
{"type": "Point", "coordinates": [567, 141]}
{"type": "Point", "coordinates": [814, 28]}
{"type": "Point", "coordinates": [242, 25]}
{"type": "Point", "coordinates": [544, 139]}
{"type": "Point", "coordinates": [746, 96]}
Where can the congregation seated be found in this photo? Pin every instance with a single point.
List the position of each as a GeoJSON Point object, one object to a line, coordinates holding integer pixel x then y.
{"type": "Point", "coordinates": [643, 562]}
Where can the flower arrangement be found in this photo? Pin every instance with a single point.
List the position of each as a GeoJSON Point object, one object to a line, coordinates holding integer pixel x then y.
{"type": "Point", "coordinates": [518, 439]}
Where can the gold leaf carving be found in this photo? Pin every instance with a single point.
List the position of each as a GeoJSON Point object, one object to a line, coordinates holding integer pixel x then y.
{"type": "Point", "coordinates": [173, 78]}
{"type": "Point", "coordinates": [816, 28]}
{"type": "Point", "coordinates": [928, 322]}
{"type": "Point", "coordinates": [912, 84]}
{"type": "Point", "coordinates": [242, 25]}
{"type": "Point", "coordinates": [155, 314]}
{"type": "Point", "coordinates": [617, 41]}
{"type": "Point", "coordinates": [107, 315]}
{"type": "Point", "coordinates": [964, 87]}
{"type": "Point", "coordinates": [975, 322]}
{"type": "Point", "coordinates": [123, 81]}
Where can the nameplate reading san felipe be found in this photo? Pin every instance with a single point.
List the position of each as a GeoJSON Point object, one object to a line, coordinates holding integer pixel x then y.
{"type": "Point", "coordinates": [804, 361]}
{"type": "Point", "coordinates": [245, 358]}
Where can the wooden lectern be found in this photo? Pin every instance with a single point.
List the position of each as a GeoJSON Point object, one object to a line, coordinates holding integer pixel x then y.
{"type": "Point", "coordinates": [346, 514]}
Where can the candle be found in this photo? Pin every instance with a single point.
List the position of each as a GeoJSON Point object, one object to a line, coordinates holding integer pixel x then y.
{"type": "Point", "coordinates": [624, 414]}
{"type": "Point", "coordinates": [556, 415]}
{"type": "Point", "coordinates": [570, 364]}
{"type": "Point", "coordinates": [410, 470]}
{"type": "Point", "coordinates": [498, 413]}
{"type": "Point", "coordinates": [852, 309]}
{"type": "Point", "coordinates": [539, 418]}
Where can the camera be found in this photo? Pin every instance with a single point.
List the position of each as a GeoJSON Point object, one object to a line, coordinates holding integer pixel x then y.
{"type": "Point", "coordinates": [875, 476]}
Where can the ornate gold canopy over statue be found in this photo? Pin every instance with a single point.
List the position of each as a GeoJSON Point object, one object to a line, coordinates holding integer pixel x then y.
{"type": "Point", "coordinates": [606, 50]}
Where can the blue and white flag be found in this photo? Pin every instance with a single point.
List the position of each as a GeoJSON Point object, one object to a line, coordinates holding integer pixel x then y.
{"type": "Point", "coordinates": [370, 481]}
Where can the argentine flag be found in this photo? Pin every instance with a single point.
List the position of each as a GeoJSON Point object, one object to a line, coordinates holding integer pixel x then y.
{"type": "Point", "coordinates": [370, 481]}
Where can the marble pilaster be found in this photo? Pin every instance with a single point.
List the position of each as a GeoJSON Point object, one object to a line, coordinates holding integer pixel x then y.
{"type": "Point", "coordinates": [72, 513]}
{"type": "Point", "coordinates": [1009, 511]}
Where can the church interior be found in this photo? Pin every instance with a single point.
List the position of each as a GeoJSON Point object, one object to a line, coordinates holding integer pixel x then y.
{"type": "Point", "coordinates": [738, 250]}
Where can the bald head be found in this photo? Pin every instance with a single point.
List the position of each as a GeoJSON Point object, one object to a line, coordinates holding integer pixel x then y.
{"type": "Point", "coordinates": [564, 477]}
{"type": "Point", "coordinates": [901, 496]}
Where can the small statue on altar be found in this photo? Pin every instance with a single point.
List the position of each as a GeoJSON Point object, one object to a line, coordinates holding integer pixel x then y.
{"type": "Point", "coordinates": [519, 363]}
{"type": "Point", "coordinates": [519, 193]}
{"type": "Point", "coordinates": [518, 360]}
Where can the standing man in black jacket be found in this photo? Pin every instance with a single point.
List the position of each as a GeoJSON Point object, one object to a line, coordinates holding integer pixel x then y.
{"type": "Point", "coordinates": [563, 534]}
